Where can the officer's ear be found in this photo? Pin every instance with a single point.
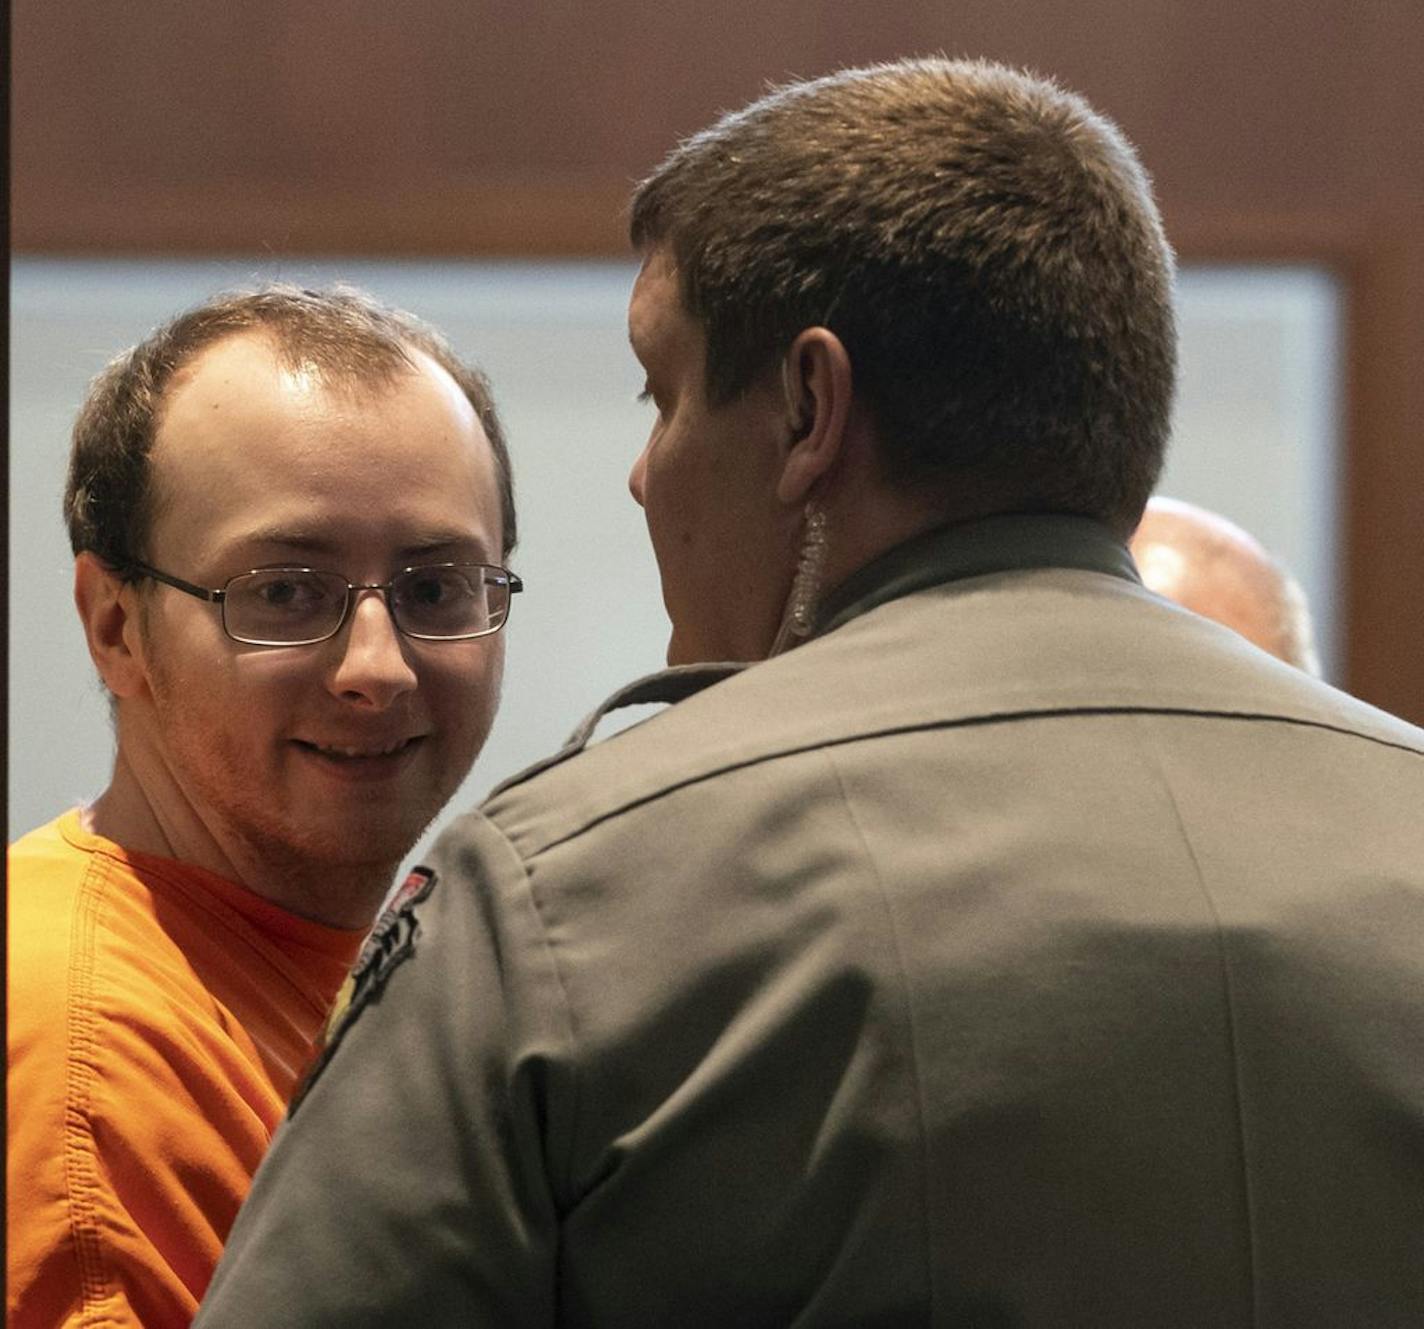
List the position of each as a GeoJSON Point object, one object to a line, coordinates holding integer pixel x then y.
{"type": "Point", "coordinates": [816, 382]}
{"type": "Point", "coordinates": [108, 610]}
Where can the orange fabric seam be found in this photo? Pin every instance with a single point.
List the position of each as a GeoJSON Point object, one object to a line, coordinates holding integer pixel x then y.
{"type": "Point", "coordinates": [80, 1167]}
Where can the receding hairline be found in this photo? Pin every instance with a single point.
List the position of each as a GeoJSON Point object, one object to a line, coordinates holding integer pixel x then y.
{"type": "Point", "coordinates": [376, 363]}
{"type": "Point", "coordinates": [334, 375]}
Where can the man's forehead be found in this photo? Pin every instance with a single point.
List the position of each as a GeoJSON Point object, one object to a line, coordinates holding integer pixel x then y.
{"type": "Point", "coordinates": [234, 378]}
{"type": "Point", "coordinates": [244, 396]}
{"type": "Point", "coordinates": [255, 357]}
{"type": "Point", "coordinates": [251, 352]}
{"type": "Point", "coordinates": [656, 316]}
{"type": "Point", "coordinates": [249, 372]}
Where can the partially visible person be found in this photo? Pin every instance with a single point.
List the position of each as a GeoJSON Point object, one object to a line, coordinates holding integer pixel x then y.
{"type": "Point", "coordinates": [289, 511]}
{"type": "Point", "coordinates": [1002, 945]}
{"type": "Point", "coordinates": [1214, 568]}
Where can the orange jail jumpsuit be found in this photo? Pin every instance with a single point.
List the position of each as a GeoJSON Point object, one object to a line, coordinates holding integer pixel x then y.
{"type": "Point", "coordinates": [159, 1017]}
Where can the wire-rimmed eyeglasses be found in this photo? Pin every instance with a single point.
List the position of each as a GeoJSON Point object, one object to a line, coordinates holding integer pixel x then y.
{"type": "Point", "coordinates": [301, 606]}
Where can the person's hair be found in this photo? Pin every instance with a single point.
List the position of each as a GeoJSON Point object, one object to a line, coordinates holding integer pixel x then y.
{"type": "Point", "coordinates": [982, 242]}
{"type": "Point", "coordinates": [343, 333]}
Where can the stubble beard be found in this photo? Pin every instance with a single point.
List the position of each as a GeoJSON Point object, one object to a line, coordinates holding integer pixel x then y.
{"type": "Point", "coordinates": [319, 867]}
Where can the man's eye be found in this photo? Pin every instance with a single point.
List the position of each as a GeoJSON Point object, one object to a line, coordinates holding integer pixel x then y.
{"type": "Point", "coordinates": [429, 591]}
{"type": "Point", "coordinates": [288, 593]}
{"type": "Point", "coordinates": [434, 589]}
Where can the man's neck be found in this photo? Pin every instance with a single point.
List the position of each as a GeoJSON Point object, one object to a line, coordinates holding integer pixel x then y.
{"type": "Point", "coordinates": [344, 896]}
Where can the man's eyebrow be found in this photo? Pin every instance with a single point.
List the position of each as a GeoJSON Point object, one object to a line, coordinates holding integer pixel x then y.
{"type": "Point", "coordinates": [443, 545]}
{"type": "Point", "coordinates": [290, 539]}
{"type": "Point", "coordinates": [424, 545]}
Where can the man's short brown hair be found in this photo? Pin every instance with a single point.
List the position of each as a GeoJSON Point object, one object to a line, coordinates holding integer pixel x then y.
{"type": "Point", "coordinates": [983, 243]}
{"type": "Point", "coordinates": [348, 337]}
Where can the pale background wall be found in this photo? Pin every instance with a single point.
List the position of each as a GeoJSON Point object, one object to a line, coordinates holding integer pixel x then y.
{"type": "Point", "coordinates": [1256, 438]}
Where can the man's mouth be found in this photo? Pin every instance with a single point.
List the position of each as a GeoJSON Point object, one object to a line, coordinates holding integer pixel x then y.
{"type": "Point", "coordinates": [346, 752]}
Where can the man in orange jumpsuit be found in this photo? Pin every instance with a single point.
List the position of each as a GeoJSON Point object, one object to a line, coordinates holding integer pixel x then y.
{"type": "Point", "coordinates": [289, 512]}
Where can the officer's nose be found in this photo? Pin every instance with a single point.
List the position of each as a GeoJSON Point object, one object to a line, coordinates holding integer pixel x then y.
{"type": "Point", "coordinates": [637, 476]}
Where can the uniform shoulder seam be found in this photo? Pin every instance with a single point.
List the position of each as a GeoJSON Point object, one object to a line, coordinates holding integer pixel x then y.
{"type": "Point", "coordinates": [685, 777]}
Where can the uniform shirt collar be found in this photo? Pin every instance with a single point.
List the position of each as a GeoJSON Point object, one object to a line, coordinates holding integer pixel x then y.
{"type": "Point", "coordinates": [1006, 543]}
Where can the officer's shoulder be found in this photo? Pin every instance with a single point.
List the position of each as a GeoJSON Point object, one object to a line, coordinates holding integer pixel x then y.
{"type": "Point", "coordinates": [665, 687]}
{"type": "Point", "coordinates": [706, 727]}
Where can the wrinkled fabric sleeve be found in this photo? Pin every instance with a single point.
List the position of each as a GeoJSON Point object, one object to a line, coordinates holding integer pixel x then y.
{"type": "Point", "coordinates": [413, 1183]}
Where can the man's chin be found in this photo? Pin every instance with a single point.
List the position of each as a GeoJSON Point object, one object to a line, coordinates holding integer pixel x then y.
{"type": "Point", "coordinates": [359, 844]}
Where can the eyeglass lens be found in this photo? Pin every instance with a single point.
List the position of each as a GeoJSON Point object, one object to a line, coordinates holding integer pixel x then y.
{"type": "Point", "coordinates": [294, 605]}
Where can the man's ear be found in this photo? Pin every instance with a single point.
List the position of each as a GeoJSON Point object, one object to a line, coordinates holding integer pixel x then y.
{"type": "Point", "coordinates": [108, 610]}
{"type": "Point", "coordinates": [816, 377]}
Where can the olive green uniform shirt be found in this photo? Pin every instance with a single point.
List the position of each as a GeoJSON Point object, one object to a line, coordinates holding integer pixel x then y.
{"type": "Point", "coordinates": [1020, 951]}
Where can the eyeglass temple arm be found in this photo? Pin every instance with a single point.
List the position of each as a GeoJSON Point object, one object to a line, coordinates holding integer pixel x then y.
{"type": "Point", "coordinates": [178, 584]}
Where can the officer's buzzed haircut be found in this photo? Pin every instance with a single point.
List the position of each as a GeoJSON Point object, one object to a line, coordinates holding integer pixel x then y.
{"type": "Point", "coordinates": [984, 244]}
{"type": "Point", "coordinates": [348, 338]}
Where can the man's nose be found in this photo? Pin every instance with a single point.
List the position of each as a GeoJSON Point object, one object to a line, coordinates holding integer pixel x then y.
{"type": "Point", "coordinates": [372, 669]}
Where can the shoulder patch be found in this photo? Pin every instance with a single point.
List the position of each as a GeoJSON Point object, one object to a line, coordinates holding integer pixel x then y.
{"type": "Point", "coordinates": [392, 940]}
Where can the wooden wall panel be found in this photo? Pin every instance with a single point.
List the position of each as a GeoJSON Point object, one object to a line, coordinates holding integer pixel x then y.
{"type": "Point", "coordinates": [433, 109]}
{"type": "Point", "coordinates": [1275, 130]}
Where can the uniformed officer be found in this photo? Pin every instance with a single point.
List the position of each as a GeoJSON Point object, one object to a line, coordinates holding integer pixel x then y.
{"type": "Point", "coordinates": [1003, 945]}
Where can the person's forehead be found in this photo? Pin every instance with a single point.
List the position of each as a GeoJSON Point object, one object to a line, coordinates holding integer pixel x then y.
{"type": "Point", "coordinates": [657, 321]}
{"type": "Point", "coordinates": [235, 362]}
{"type": "Point", "coordinates": [246, 377]}
{"type": "Point", "coordinates": [248, 366]}
{"type": "Point", "coordinates": [250, 440]}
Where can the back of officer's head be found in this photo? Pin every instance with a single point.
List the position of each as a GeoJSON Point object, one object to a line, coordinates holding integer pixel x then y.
{"type": "Point", "coordinates": [984, 244]}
